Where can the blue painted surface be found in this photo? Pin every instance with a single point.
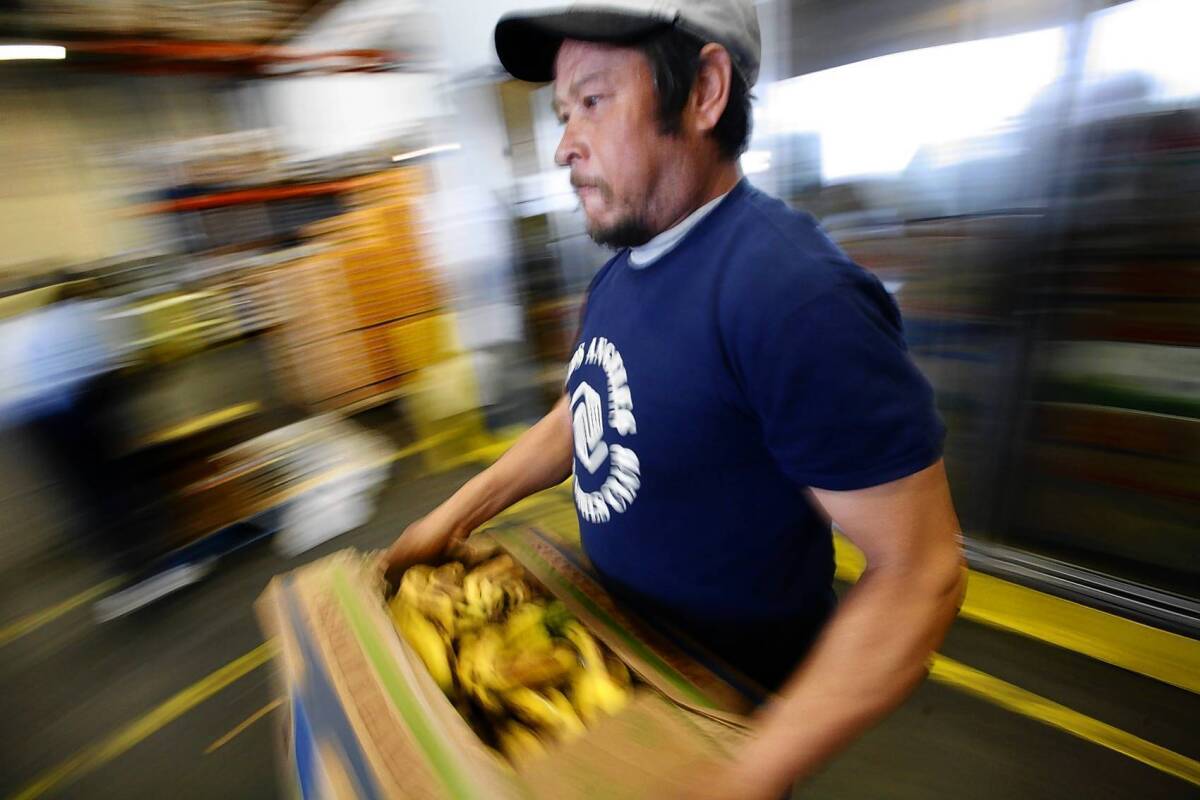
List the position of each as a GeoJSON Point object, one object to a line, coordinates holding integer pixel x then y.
{"type": "Point", "coordinates": [326, 718]}
{"type": "Point", "coordinates": [304, 752]}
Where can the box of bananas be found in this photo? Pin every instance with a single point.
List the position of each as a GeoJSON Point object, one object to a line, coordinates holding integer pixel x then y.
{"type": "Point", "coordinates": [507, 672]}
{"type": "Point", "coordinates": [521, 669]}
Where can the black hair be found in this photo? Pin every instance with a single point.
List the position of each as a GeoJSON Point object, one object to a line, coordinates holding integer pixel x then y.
{"type": "Point", "coordinates": [674, 57]}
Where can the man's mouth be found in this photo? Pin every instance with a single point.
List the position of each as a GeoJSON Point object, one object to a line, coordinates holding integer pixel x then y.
{"type": "Point", "coordinates": [585, 189]}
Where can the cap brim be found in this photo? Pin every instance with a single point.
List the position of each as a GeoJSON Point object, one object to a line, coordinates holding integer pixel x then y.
{"type": "Point", "coordinates": [527, 43]}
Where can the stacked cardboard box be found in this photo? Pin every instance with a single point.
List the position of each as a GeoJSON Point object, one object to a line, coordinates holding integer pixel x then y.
{"type": "Point", "coordinates": [353, 295]}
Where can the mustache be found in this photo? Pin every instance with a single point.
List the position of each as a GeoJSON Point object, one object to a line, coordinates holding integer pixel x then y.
{"type": "Point", "coordinates": [580, 182]}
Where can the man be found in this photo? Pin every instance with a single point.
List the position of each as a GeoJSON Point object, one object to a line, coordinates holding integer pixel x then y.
{"type": "Point", "coordinates": [737, 382]}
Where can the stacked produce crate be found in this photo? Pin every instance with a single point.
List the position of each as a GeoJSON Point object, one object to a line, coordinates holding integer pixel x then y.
{"type": "Point", "coordinates": [353, 299]}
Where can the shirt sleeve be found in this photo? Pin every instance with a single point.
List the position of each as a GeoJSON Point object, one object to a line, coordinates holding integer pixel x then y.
{"type": "Point", "coordinates": [841, 404]}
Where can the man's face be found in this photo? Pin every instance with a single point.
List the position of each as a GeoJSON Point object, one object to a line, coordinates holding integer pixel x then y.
{"type": "Point", "coordinates": [605, 97]}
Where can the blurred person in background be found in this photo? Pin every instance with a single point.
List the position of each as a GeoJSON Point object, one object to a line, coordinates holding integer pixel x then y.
{"type": "Point", "coordinates": [60, 380]}
{"type": "Point", "coordinates": [737, 383]}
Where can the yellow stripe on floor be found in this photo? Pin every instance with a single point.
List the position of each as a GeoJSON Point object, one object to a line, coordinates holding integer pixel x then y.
{"type": "Point", "coordinates": [1014, 698]}
{"type": "Point", "coordinates": [243, 725]}
{"type": "Point", "coordinates": [1143, 649]}
{"type": "Point", "coordinates": [100, 753]}
{"type": "Point", "coordinates": [1149, 651]}
{"type": "Point", "coordinates": [31, 622]}
{"type": "Point", "coordinates": [204, 422]}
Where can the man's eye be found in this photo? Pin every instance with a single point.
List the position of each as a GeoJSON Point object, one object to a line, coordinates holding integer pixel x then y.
{"type": "Point", "coordinates": [591, 100]}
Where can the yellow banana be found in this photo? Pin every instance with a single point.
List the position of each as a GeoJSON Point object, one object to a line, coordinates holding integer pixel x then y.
{"type": "Point", "coordinates": [468, 652]}
{"type": "Point", "coordinates": [572, 724]}
{"type": "Point", "coordinates": [434, 603]}
{"type": "Point", "coordinates": [428, 598]}
{"type": "Point", "coordinates": [583, 697]}
{"type": "Point", "coordinates": [589, 651]}
{"type": "Point", "coordinates": [518, 742]}
{"type": "Point", "coordinates": [593, 690]}
{"type": "Point", "coordinates": [533, 640]}
{"type": "Point", "coordinates": [618, 671]}
{"type": "Point", "coordinates": [483, 596]}
{"type": "Point", "coordinates": [524, 628]}
{"type": "Point", "coordinates": [471, 608]}
{"type": "Point", "coordinates": [413, 583]}
{"type": "Point", "coordinates": [536, 668]}
{"type": "Point", "coordinates": [467, 620]}
{"type": "Point", "coordinates": [516, 592]}
{"type": "Point", "coordinates": [478, 674]}
{"type": "Point", "coordinates": [492, 593]}
{"type": "Point", "coordinates": [449, 577]}
{"type": "Point", "coordinates": [424, 638]}
{"type": "Point", "coordinates": [419, 572]}
{"type": "Point", "coordinates": [497, 568]}
{"type": "Point", "coordinates": [450, 574]}
{"type": "Point", "coordinates": [487, 652]}
{"type": "Point", "coordinates": [594, 694]}
{"type": "Point", "coordinates": [537, 710]}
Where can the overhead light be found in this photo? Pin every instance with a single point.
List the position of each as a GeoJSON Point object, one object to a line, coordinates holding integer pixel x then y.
{"type": "Point", "coordinates": [428, 151]}
{"type": "Point", "coordinates": [29, 52]}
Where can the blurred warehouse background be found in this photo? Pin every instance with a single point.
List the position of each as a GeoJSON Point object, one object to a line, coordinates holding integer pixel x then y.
{"type": "Point", "coordinates": [255, 252]}
{"type": "Point", "coordinates": [251, 247]}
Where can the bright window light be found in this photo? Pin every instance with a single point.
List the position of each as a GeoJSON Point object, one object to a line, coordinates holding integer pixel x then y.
{"type": "Point", "coordinates": [755, 161]}
{"type": "Point", "coordinates": [874, 115]}
{"type": "Point", "coordinates": [1156, 38]}
{"type": "Point", "coordinates": [28, 52]}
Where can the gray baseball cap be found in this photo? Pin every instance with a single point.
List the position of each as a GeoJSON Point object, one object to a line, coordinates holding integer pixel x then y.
{"type": "Point", "coordinates": [528, 41]}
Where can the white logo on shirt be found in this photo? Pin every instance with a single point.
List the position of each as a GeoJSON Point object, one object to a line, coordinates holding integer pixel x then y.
{"type": "Point", "coordinates": [589, 428]}
{"type": "Point", "coordinates": [620, 488]}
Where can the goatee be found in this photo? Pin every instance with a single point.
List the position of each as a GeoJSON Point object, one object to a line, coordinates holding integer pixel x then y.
{"type": "Point", "coordinates": [629, 232]}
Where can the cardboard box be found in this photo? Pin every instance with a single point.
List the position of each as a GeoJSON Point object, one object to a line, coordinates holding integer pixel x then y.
{"type": "Point", "coordinates": [423, 341]}
{"type": "Point", "coordinates": [368, 720]}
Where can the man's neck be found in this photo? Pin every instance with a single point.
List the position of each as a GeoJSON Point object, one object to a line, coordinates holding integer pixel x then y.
{"type": "Point", "coordinates": [668, 240]}
{"type": "Point", "coordinates": [718, 182]}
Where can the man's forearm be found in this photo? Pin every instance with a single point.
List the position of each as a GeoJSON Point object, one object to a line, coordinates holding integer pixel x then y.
{"type": "Point", "coordinates": [539, 459]}
{"type": "Point", "coordinates": [871, 656]}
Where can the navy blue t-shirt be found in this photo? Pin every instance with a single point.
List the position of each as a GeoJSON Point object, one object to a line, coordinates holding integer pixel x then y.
{"type": "Point", "coordinates": [708, 390]}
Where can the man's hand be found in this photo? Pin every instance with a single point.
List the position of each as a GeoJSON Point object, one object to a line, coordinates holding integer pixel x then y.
{"type": "Point", "coordinates": [427, 539]}
{"type": "Point", "coordinates": [541, 458]}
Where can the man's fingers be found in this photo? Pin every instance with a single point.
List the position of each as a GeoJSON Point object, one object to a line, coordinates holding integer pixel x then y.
{"type": "Point", "coordinates": [393, 561]}
{"type": "Point", "coordinates": [472, 550]}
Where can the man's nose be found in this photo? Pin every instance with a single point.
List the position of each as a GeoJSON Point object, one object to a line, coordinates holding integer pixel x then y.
{"type": "Point", "coordinates": [570, 147]}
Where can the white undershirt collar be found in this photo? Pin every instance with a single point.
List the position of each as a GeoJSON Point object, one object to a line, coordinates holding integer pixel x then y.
{"type": "Point", "coordinates": [665, 242]}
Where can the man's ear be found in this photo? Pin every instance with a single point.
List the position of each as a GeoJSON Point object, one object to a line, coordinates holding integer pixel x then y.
{"type": "Point", "coordinates": [710, 91]}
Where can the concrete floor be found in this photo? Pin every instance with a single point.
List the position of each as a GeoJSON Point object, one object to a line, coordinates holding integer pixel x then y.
{"type": "Point", "coordinates": [70, 684]}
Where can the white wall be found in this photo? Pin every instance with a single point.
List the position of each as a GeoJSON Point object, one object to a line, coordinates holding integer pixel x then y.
{"type": "Point", "coordinates": [324, 115]}
{"type": "Point", "coordinates": [467, 30]}
{"type": "Point", "coordinates": [63, 198]}
{"type": "Point", "coordinates": [469, 221]}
